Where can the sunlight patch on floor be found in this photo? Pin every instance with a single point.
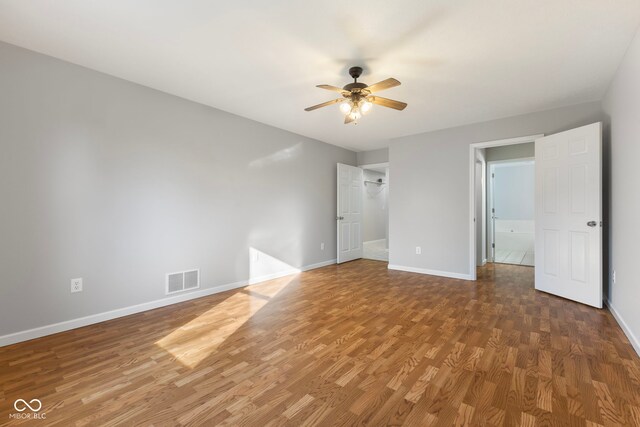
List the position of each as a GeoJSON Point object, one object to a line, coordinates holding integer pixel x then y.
{"type": "Point", "coordinates": [199, 338]}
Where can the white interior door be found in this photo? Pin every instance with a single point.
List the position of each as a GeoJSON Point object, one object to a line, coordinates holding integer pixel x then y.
{"type": "Point", "coordinates": [349, 218]}
{"type": "Point", "coordinates": [569, 214]}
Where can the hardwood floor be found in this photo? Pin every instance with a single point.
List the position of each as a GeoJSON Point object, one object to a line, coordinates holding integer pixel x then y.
{"type": "Point", "coordinates": [341, 345]}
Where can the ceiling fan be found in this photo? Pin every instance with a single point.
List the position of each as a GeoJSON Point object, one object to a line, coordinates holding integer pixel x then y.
{"type": "Point", "coordinates": [357, 98]}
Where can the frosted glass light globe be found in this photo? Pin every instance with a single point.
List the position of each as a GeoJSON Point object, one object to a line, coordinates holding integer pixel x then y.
{"type": "Point", "coordinates": [345, 107]}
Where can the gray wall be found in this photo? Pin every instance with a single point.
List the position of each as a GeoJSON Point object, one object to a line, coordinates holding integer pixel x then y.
{"type": "Point", "coordinates": [374, 207]}
{"type": "Point", "coordinates": [510, 152]}
{"type": "Point", "coordinates": [622, 176]}
{"type": "Point", "coordinates": [429, 189]}
{"type": "Point", "coordinates": [119, 184]}
{"type": "Point", "coordinates": [373, 157]}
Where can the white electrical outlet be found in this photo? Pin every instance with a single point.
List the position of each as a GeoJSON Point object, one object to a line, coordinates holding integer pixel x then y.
{"type": "Point", "coordinates": [322, 246]}
{"type": "Point", "coordinates": [76, 285]}
{"type": "Point", "coordinates": [418, 250]}
{"type": "Point", "coordinates": [613, 276]}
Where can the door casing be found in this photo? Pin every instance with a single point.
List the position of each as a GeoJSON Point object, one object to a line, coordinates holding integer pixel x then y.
{"type": "Point", "coordinates": [472, 186]}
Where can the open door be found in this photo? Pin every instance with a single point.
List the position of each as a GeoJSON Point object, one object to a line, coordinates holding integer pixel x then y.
{"type": "Point", "coordinates": [568, 220]}
{"type": "Point", "coordinates": [349, 217]}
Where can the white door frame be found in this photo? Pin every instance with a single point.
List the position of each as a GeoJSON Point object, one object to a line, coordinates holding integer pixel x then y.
{"type": "Point", "coordinates": [490, 195]}
{"type": "Point", "coordinates": [374, 165]}
{"type": "Point", "coordinates": [472, 186]}
{"type": "Point", "coordinates": [482, 233]}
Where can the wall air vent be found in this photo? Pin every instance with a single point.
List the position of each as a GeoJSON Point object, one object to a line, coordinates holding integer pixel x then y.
{"type": "Point", "coordinates": [183, 281]}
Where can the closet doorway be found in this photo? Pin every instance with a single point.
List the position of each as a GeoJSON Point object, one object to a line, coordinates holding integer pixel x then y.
{"type": "Point", "coordinates": [375, 212]}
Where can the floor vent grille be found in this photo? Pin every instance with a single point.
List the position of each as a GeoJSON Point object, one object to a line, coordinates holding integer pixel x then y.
{"type": "Point", "coordinates": [183, 281]}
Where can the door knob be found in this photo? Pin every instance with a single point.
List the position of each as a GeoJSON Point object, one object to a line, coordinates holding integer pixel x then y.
{"type": "Point", "coordinates": [592, 223]}
{"type": "Point", "coordinates": [339, 218]}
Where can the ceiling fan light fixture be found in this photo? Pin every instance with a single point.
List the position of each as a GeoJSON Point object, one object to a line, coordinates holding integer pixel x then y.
{"type": "Point", "coordinates": [357, 97]}
{"type": "Point", "coordinates": [354, 115]}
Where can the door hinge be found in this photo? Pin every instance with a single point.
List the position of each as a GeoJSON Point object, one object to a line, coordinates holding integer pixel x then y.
{"type": "Point", "coordinates": [493, 175]}
{"type": "Point", "coordinates": [493, 245]}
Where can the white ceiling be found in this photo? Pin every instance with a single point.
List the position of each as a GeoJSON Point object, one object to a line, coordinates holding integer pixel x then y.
{"type": "Point", "coordinates": [459, 61]}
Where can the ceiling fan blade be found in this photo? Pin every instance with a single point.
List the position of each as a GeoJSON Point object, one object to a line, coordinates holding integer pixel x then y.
{"type": "Point", "coordinates": [389, 103]}
{"type": "Point", "coordinates": [333, 88]}
{"type": "Point", "coordinates": [324, 104]}
{"type": "Point", "coordinates": [348, 119]}
{"type": "Point", "coordinates": [385, 84]}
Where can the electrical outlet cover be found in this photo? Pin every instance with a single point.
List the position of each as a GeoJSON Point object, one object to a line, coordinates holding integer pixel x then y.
{"type": "Point", "coordinates": [76, 285]}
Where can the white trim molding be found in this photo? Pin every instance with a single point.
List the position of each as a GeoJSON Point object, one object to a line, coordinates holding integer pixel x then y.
{"type": "Point", "coordinates": [430, 272]}
{"type": "Point", "coordinates": [625, 328]}
{"type": "Point", "coordinates": [260, 279]}
{"type": "Point", "coordinates": [318, 265]}
{"type": "Point", "coordinates": [374, 165]}
{"type": "Point", "coordinates": [68, 325]}
{"type": "Point", "coordinates": [375, 241]}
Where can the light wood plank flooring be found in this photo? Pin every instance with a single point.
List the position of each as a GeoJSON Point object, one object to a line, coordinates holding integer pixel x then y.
{"type": "Point", "coordinates": [342, 345]}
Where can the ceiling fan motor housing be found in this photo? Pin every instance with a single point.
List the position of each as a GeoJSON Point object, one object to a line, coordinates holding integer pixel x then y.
{"type": "Point", "coordinates": [355, 85]}
{"type": "Point", "coordinates": [355, 88]}
{"type": "Point", "coordinates": [355, 72]}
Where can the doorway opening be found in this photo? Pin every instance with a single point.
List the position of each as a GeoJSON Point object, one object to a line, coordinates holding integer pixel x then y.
{"type": "Point", "coordinates": [567, 210]}
{"type": "Point", "coordinates": [511, 204]}
{"type": "Point", "coordinates": [484, 158]}
{"type": "Point", "coordinates": [375, 212]}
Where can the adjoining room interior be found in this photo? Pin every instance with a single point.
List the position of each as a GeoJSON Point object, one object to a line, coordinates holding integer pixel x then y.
{"type": "Point", "coordinates": [375, 211]}
{"type": "Point", "coordinates": [507, 194]}
{"type": "Point", "coordinates": [503, 200]}
{"type": "Point", "coordinates": [253, 213]}
{"type": "Point", "coordinates": [511, 205]}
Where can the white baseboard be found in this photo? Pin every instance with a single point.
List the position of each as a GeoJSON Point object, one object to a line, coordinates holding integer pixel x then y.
{"type": "Point", "coordinates": [260, 279]}
{"type": "Point", "coordinates": [374, 241]}
{"type": "Point", "coordinates": [264, 278]}
{"type": "Point", "coordinates": [67, 325]}
{"type": "Point", "coordinates": [318, 265]}
{"type": "Point", "coordinates": [430, 272]}
{"type": "Point", "coordinates": [625, 328]}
